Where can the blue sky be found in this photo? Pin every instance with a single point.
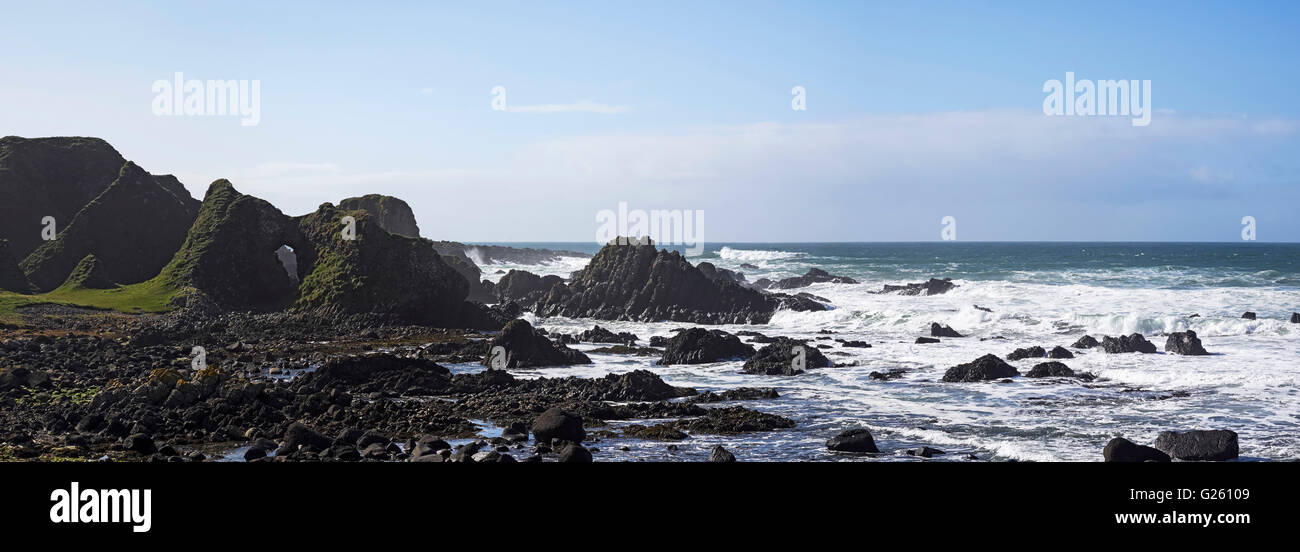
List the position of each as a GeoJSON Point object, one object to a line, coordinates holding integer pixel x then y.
{"type": "Point", "coordinates": [915, 111]}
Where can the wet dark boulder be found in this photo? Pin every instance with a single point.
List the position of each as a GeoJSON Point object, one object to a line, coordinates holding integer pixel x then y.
{"type": "Point", "coordinates": [1120, 449]}
{"type": "Point", "coordinates": [392, 214]}
{"type": "Point", "coordinates": [1184, 343]}
{"type": "Point", "coordinates": [558, 424]}
{"type": "Point", "coordinates": [925, 340]}
{"type": "Point", "coordinates": [598, 334]}
{"type": "Point", "coordinates": [933, 286]}
{"type": "Point", "coordinates": [636, 281]}
{"type": "Point", "coordinates": [1132, 343]}
{"type": "Point", "coordinates": [786, 357]}
{"type": "Point", "coordinates": [1215, 445]}
{"type": "Point", "coordinates": [701, 346]}
{"type": "Point", "coordinates": [1295, 318]}
{"type": "Point", "coordinates": [987, 367]}
{"type": "Point", "coordinates": [813, 276]}
{"type": "Point", "coordinates": [526, 347]}
{"type": "Point", "coordinates": [719, 454]}
{"type": "Point", "coordinates": [1055, 370]}
{"type": "Point", "coordinates": [1028, 352]}
{"type": "Point", "coordinates": [857, 440]}
{"type": "Point", "coordinates": [1248, 315]}
{"type": "Point", "coordinates": [658, 341]}
{"type": "Point", "coordinates": [937, 330]}
{"type": "Point", "coordinates": [925, 452]}
{"type": "Point", "coordinates": [574, 452]}
{"type": "Point", "coordinates": [298, 436]}
{"type": "Point", "coordinates": [1059, 352]}
{"type": "Point", "coordinates": [1085, 342]}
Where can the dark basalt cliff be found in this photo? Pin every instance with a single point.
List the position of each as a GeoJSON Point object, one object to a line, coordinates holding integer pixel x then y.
{"type": "Point", "coordinates": [393, 214]}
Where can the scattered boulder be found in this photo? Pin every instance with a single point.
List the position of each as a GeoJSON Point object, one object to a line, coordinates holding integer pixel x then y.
{"type": "Point", "coordinates": [925, 340]}
{"type": "Point", "coordinates": [987, 367]}
{"type": "Point", "coordinates": [575, 452]}
{"type": "Point", "coordinates": [525, 347]}
{"type": "Point", "coordinates": [1085, 342]}
{"type": "Point", "coordinates": [1217, 445]}
{"type": "Point", "coordinates": [937, 330]}
{"type": "Point", "coordinates": [701, 346]}
{"type": "Point", "coordinates": [1024, 353]}
{"type": "Point", "coordinates": [854, 440]}
{"type": "Point", "coordinates": [719, 454]}
{"type": "Point", "coordinates": [1132, 343]}
{"type": "Point", "coordinates": [598, 334]}
{"type": "Point", "coordinates": [1184, 343]}
{"type": "Point", "coordinates": [1248, 315]}
{"type": "Point", "coordinates": [778, 358]}
{"type": "Point", "coordinates": [1059, 352]}
{"type": "Point", "coordinates": [1120, 449]}
{"type": "Point", "coordinates": [560, 424]}
{"type": "Point", "coordinates": [1055, 370]}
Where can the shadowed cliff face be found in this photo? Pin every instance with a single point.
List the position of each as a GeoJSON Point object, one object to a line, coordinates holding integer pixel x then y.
{"type": "Point", "coordinates": [133, 227]}
{"type": "Point", "coordinates": [392, 214]}
{"type": "Point", "coordinates": [11, 277]}
{"type": "Point", "coordinates": [54, 177]}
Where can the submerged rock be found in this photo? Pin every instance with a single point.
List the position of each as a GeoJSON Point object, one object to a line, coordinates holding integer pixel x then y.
{"type": "Point", "coordinates": [1184, 343]}
{"type": "Point", "coordinates": [1248, 315]}
{"type": "Point", "coordinates": [937, 330]}
{"type": "Point", "coordinates": [778, 358]}
{"type": "Point", "coordinates": [813, 276]}
{"type": "Point", "coordinates": [934, 286]}
{"type": "Point", "coordinates": [701, 346]}
{"type": "Point", "coordinates": [853, 440]}
{"type": "Point", "coordinates": [1030, 352]}
{"type": "Point", "coordinates": [1120, 449]}
{"type": "Point", "coordinates": [1132, 343]}
{"type": "Point", "coordinates": [1199, 444]}
{"type": "Point", "coordinates": [1085, 342]}
{"type": "Point", "coordinates": [987, 367]}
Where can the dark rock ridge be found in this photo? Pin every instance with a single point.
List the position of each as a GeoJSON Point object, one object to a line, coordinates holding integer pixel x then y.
{"type": "Point", "coordinates": [1030, 352]}
{"type": "Point", "coordinates": [135, 226]}
{"type": "Point", "coordinates": [713, 273]}
{"type": "Point", "coordinates": [524, 287]}
{"type": "Point", "coordinates": [54, 177]}
{"type": "Point", "coordinates": [392, 214]}
{"type": "Point", "coordinates": [1120, 449]}
{"type": "Point", "coordinates": [933, 286]}
{"type": "Point", "coordinates": [480, 290]}
{"type": "Point", "coordinates": [987, 367]}
{"type": "Point", "coordinates": [1085, 342]}
{"type": "Point", "coordinates": [642, 283]}
{"type": "Point", "coordinates": [1215, 445]}
{"type": "Point", "coordinates": [598, 334]}
{"type": "Point", "coordinates": [777, 358]}
{"type": "Point", "coordinates": [937, 330]}
{"type": "Point", "coordinates": [1132, 343]}
{"type": "Point", "coordinates": [1184, 343]}
{"type": "Point", "coordinates": [813, 276]}
{"type": "Point", "coordinates": [857, 440]}
{"type": "Point", "coordinates": [701, 346]}
{"type": "Point", "coordinates": [525, 347]}
{"type": "Point", "coordinates": [487, 254]}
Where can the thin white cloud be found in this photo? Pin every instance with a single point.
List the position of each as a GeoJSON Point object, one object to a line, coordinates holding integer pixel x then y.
{"type": "Point", "coordinates": [582, 106]}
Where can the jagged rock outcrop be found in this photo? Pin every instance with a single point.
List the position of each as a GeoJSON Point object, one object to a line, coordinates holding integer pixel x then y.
{"type": "Point", "coordinates": [1132, 343]}
{"type": "Point", "coordinates": [134, 226]}
{"type": "Point", "coordinates": [90, 273]}
{"type": "Point", "coordinates": [1056, 370]}
{"type": "Point", "coordinates": [1085, 342]}
{"type": "Point", "coordinates": [937, 330]}
{"type": "Point", "coordinates": [487, 254]}
{"type": "Point", "coordinates": [1185, 343]}
{"type": "Point", "coordinates": [526, 347]}
{"type": "Point", "coordinates": [54, 177]}
{"type": "Point", "coordinates": [598, 334]}
{"type": "Point", "coordinates": [524, 287]}
{"type": "Point", "coordinates": [377, 271]}
{"type": "Point", "coordinates": [987, 367]}
{"type": "Point", "coordinates": [228, 257]}
{"type": "Point", "coordinates": [392, 214]}
{"type": "Point", "coordinates": [712, 272]}
{"type": "Point", "coordinates": [778, 358]}
{"type": "Point", "coordinates": [479, 289]}
{"type": "Point", "coordinates": [1027, 352]}
{"type": "Point", "coordinates": [12, 277]}
{"type": "Point", "coordinates": [1059, 352]}
{"type": "Point", "coordinates": [813, 276]}
{"type": "Point", "coordinates": [933, 286]}
{"type": "Point", "coordinates": [642, 283]}
{"type": "Point", "coordinates": [701, 346]}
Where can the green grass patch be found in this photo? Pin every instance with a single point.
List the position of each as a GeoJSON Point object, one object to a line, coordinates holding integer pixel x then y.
{"type": "Point", "coordinates": [149, 296]}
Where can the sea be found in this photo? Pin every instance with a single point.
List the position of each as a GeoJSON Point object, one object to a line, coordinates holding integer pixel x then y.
{"type": "Point", "coordinates": [1043, 294]}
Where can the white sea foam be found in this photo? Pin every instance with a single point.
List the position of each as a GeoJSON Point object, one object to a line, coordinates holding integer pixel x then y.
{"type": "Point", "coordinates": [755, 255]}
